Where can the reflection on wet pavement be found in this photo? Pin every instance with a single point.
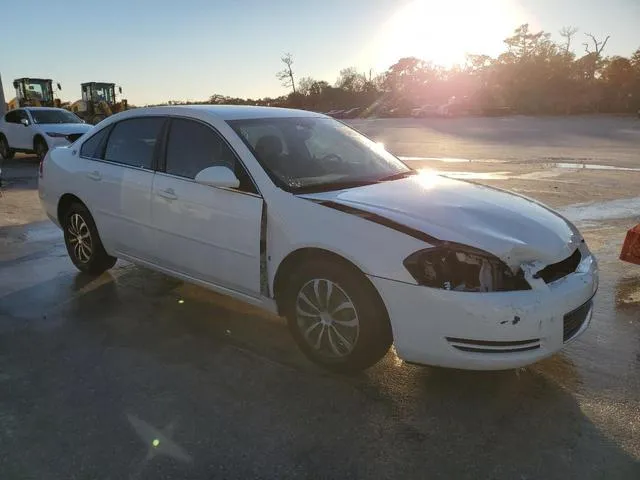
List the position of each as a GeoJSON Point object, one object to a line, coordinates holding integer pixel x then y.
{"type": "Point", "coordinates": [628, 293]}
{"type": "Point", "coordinates": [449, 160]}
{"type": "Point", "coordinates": [474, 175]}
{"type": "Point", "coordinates": [158, 442]}
{"type": "Point", "coordinates": [84, 353]}
{"type": "Point", "coordinates": [588, 166]}
{"type": "Point", "coordinates": [612, 209]}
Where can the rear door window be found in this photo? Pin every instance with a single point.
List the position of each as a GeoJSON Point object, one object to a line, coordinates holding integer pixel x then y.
{"type": "Point", "coordinates": [12, 117]}
{"type": "Point", "coordinates": [132, 142]}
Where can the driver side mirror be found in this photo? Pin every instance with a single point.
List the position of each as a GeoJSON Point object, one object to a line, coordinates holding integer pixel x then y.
{"type": "Point", "coordinates": [218, 177]}
{"type": "Point", "coordinates": [24, 121]}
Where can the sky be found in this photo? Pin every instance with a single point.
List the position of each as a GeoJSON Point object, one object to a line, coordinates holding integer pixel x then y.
{"type": "Point", "coordinates": [160, 50]}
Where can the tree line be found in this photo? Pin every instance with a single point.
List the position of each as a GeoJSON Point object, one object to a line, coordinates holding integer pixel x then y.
{"type": "Point", "coordinates": [534, 75]}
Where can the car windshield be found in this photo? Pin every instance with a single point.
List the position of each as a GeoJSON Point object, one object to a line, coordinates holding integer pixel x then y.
{"type": "Point", "coordinates": [317, 154]}
{"type": "Point", "coordinates": [54, 116]}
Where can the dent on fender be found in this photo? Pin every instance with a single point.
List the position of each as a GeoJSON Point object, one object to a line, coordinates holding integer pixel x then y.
{"type": "Point", "coordinates": [454, 267]}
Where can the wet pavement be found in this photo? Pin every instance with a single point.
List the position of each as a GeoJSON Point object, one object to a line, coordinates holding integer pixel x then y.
{"type": "Point", "coordinates": [134, 375]}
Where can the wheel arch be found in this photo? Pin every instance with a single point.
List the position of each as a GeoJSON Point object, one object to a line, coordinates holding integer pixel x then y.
{"type": "Point", "coordinates": [64, 203]}
{"type": "Point", "coordinates": [38, 136]}
{"type": "Point", "coordinates": [298, 257]}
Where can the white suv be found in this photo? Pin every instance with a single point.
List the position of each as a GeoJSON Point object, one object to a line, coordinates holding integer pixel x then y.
{"type": "Point", "coordinates": [299, 214]}
{"type": "Point", "coordinates": [38, 129]}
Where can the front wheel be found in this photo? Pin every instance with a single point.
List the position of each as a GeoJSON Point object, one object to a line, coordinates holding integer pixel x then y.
{"type": "Point", "coordinates": [83, 242]}
{"type": "Point", "coordinates": [336, 316]}
{"type": "Point", "coordinates": [5, 151]}
{"type": "Point", "coordinates": [40, 147]}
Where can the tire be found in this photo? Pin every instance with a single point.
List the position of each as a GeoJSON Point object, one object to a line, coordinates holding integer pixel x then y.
{"type": "Point", "coordinates": [83, 242]}
{"type": "Point", "coordinates": [40, 148]}
{"type": "Point", "coordinates": [336, 316]}
{"type": "Point", "coordinates": [5, 151]}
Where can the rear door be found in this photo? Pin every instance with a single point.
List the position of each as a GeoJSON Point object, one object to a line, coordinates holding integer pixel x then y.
{"type": "Point", "coordinates": [118, 170]}
{"type": "Point", "coordinates": [209, 233]}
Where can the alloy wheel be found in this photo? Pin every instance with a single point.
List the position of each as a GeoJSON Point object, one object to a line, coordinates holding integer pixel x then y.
{"type": "Point", "coordinates": [80, 238]}
{"type": "Point", "coordinates": [327, 318]}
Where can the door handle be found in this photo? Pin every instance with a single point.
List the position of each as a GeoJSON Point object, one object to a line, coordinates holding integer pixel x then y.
{"type": "Point", "coordinates": [169, 194]}
{"type": "Point", "coordinates": [95, 175]}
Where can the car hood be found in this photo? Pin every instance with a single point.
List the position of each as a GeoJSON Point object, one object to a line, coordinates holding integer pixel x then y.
{"type": "Point", "coordinates": [513, 228]}
{"type": "Point", "coordinates": [66, 128]}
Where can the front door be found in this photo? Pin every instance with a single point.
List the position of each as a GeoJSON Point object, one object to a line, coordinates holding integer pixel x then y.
{"type": "Point", "coordinates": [209, 233]}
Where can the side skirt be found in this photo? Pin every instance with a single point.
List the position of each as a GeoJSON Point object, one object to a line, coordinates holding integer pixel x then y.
{"type": "Point", "coordinates": [262, 301]}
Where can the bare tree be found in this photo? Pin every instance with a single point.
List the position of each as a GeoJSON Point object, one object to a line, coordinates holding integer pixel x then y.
{"type": "Point", "coordinates": [594, 57]}
{"type": "Point", "coordinates": [568, 33]}
{"type": "Point", "coordinates": [598, 47]}
{"type": "Point", "coordinates": [286, 74]}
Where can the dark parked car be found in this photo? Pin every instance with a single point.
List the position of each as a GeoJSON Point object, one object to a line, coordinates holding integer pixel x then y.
{"type": "Point", "coordinates": [351, 113]}
{"type": "Point", "coordinates": [335, 113]}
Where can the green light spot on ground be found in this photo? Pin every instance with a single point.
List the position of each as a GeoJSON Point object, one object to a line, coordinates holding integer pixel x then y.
{"type": "Point", "coordinates": [155, 442]}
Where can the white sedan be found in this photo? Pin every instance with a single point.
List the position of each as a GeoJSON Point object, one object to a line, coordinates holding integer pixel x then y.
{"type": "Point", "coordinates": [299, 214]}
{"type": "Point", "coordinates": [38, 129]}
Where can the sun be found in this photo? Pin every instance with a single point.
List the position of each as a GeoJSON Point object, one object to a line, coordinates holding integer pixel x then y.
{"type": "Point", "coordinates": [444, 31]}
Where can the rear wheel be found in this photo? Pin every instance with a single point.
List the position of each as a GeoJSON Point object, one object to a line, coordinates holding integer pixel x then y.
{"type": "Point", "coordinates": [40, 147]}
{"type": "Point", "coordinates": [83, 242]}
{"type": "Point", "coordinates": [336, 316]}
{"type": "Point", "coordinates": [5, 151]}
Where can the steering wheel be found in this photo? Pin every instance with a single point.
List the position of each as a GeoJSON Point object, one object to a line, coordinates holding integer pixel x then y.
{"type": "Point", "coordinates": [332, 157]}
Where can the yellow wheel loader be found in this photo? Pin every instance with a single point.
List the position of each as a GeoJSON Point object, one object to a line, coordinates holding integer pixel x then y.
{"type": "Point", "coordinates": [34, 92]}
{"type": "Point", "coordinates": [98, 102]}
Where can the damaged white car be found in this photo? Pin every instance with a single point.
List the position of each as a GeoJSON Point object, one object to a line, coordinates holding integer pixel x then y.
{"type": "Point", "coordinates": [301, 215]}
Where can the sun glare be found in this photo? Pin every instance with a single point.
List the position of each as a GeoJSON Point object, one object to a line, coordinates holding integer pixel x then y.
{"type": "Point", "coordinates": [443, 31]}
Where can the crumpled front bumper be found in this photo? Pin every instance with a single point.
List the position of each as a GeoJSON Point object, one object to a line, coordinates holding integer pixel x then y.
{"type": "Point", "coordinates": [489, 331]}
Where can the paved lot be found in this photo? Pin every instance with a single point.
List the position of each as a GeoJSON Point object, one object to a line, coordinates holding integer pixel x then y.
{"type": "Point", "coordinates": [136, 375]}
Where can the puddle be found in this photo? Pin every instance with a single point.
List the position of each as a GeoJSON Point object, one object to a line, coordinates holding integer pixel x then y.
{"type": "Point", "coordinates": [613, 209]}
{"type": "Point", "coordinates": [449, 160]}
{"type": "Point", "coordinates": [588, 166]}
{"type": "Point", "coordinates": [628, 293]}
{"type": "Point", "coordinates": [468, 175]}
{"type": "Point", "coordinates": [477, 175]}
{"type": "Point", "coordinates": [561, 165]}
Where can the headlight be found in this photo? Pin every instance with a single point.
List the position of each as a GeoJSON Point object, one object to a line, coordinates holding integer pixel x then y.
{"type": "Point", "coordinates": [463, 269]}
{"type": "Point", "coordinates": [57, 135]}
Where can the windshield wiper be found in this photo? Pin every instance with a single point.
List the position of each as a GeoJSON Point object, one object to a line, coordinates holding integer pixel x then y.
{"type": "Point", "coordinates": [398, 176]}
{"type": "Point", "coordinates": [330, 186]}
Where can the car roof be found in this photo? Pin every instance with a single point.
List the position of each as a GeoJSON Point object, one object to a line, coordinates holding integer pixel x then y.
{"type": "Point", "coordinates": [227, 112]}
{"type": "Point", "coordinates": [43, 108]}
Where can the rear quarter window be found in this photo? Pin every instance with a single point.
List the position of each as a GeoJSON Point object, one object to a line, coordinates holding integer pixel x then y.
{"type": "Point", "coordinates": [93, 147]}
{"type": "Point", "coordinates": [12, 117]}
